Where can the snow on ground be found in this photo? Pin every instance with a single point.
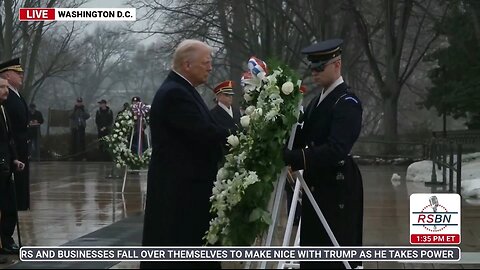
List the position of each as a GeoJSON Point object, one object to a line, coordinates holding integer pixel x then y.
{"type": "Point", "coordinates": [422, 172]}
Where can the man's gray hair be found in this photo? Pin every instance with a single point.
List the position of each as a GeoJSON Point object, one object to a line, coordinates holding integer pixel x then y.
{"type": "Point", "coordinates": [186, 51]}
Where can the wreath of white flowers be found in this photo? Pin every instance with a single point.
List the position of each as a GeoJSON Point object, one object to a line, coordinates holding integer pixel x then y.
{"type": "Point", "coordinates": [118, 142]}
{"type": "Point", "coordinates": [245, 182]}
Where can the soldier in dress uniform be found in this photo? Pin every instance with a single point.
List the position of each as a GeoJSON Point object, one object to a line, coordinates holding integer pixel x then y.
{"type": "Point", "coordinates": [8, 162]}
{"type": "Point", "coordinates": [17, 110]}
{"type": "Point", "coordinates": [332, 123]}
{"type": "Point", "coordinates": [224, 113]}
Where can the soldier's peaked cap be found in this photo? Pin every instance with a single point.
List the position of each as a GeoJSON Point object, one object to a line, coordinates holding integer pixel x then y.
{"type": "Point", "coordinates": [13, 64]}
{"type": "Point", "coordinates": [225, 87]}
{"type": "Point", "coordinates": [323, 51]}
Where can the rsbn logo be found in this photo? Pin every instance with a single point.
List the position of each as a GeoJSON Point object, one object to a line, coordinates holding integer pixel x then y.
{"type": "Point", "coordinates": [435, 219]}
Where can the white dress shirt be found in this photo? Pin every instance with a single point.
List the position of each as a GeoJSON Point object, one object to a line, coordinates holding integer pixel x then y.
{"type": "Point", "coordinates": [183, 77]}
{"type": "Point", "coordinates": [14, 90]}
{"type": "Point", "coordinates": [228, 110]}
{"type": "Point", "coordinates": [326, 92]}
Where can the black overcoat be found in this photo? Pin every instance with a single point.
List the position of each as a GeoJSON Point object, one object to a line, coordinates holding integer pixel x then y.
{"type": "Point", "coordinates": [17, 110]}
{"type": "Point", "coordinates": [330, 131]}
{"type": "Point", "coordinates": [186, 150]}
{"type": "Point", "coordinates": [224, 119]}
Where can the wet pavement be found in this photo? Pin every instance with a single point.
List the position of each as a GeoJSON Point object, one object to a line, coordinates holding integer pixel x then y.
{"type": "Point", "coordinates": [74, 199]}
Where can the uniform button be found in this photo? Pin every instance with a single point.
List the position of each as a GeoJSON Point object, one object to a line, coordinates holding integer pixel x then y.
{"type": "Point", "coordinates": [312, 188]}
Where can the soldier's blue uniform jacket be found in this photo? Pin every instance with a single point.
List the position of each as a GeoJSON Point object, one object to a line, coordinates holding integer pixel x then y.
{"type": "Point", "coordinates": [322, 149]}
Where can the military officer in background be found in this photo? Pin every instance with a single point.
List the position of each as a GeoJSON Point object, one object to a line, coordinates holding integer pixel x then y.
{"type": "Point", "coordinates": [17, 110]}
{"type": "Point", "coordinates": [224, 113]}
{"type": "Point", "coordinates": [332, 124]}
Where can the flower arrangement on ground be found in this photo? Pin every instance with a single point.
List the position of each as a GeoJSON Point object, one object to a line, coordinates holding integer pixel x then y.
{"type": "Point", "coordinates": [118, 142]}
{"type": "Point", "coordinates": [246, 181]}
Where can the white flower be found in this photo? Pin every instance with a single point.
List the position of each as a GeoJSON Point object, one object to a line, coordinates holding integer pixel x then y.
{"type": "Point", "coordinates": [274, 96]}
{"type": "Point", "coordinates": [287, 88]}
{"type": "Point", "coordinates": [222, 174]}
{"type": "Point", "coordinates": [212, 238]}
{"type": "Point", "coordinates": [249, 88]}
{"type": "Point", "coordinates": [277, 101]}
{"type": "Point", "coordinates": [250, 179]}
{"type": "Point", "coordinates": [271, 115]}
{"type": "Point", "coordinates": [277, 72]}
{"type": "Point", "coordinates": [245, 121]}
{"type": "Point", "coordinates": [233, 140]}
{"type": "Point", "coordinates": [257, 113]}
{"type": "Point", "coordinates": [247, 97]}
{"type": "Point", "coordinates": [118, 165]}
{"type": "Point", "coordinates": [272, 79]}
{"type": "Point", "coordinates": [229, 158]}
{"type": "Point", "coordinates": [261, 75]}
{"type": "Point", "coordinates": [117, 124]}
{"type": "Point", "coordinates": [249, 110]}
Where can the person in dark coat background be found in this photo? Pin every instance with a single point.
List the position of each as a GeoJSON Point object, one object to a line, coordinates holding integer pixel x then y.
{"type": "Point", "coordinates": [224, 113]}
{"type": "Point", "coordinates": [104, 122]}
{"type": "Point", "coordinates": [138, 132]}
{"type": "Point", "coordinates": [35, 120]}
{"type": "Point", "coordinates": [332, 124]}
{"type": "Point", "coordinates": [103, 119]}
{"type": "Point", "coordinates": [78, 119]}
{"type": "Point", "coordinates": [187, 146]}
{"type": "Point", "coordinates": [9, 162]}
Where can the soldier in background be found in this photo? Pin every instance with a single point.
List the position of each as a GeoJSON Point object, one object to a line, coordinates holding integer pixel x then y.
{"type": "Point", "coordinates": [224, 113]}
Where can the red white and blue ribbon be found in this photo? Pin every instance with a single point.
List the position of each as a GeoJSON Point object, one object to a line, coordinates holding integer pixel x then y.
{"type": "Point", "coordinates": [257, 67]}
{"type": "Point", "coordinates": [140, 110]}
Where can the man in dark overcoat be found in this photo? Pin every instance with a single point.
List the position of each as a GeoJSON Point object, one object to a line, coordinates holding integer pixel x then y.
{"type": "Point", "coordinates": [186, 150]}
{"type": "Point", "coordinates": [104, 122]}
{"type": "Point", "coordinates": [332, 124]}
{"type": "Point", "coordinates": [17, 109]}
{"type": "Point", "coordinates": [224, 113]}
{"type": "Point", "coordinates": [8, 163]}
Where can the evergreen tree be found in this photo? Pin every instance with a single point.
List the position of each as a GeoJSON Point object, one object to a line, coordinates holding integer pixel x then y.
{"type": "Point", "coordinates": [456, 80]}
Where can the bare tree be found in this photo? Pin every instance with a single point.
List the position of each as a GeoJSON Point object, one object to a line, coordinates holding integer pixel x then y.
{"type": "Point", "coordinates": [394, 44]}
{"type": "Point", "coordinates": [143, 72]}
{"type": "Point", "coordinates": [99, 56]}
{"type": "Point", "coordinates": [239, 29]}
{"type": "Point", "coordinates": [24, 39]}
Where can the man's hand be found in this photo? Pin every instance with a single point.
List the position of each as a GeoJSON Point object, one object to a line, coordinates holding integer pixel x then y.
{"type": "Point", "coordinates": [294, 158]}
{"type": "Point", "coordinates": [19, 165]}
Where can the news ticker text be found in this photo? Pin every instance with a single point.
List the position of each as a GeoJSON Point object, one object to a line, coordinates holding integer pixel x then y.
{"type": "Point", "coordinates": [240, 253]}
